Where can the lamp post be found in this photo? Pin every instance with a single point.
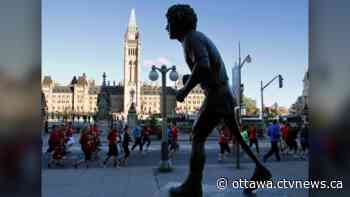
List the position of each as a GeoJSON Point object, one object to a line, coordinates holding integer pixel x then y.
{"type": "Point", "coordinates": [247, 59]}
{"type": "Point", "coordinates": [165, 165]}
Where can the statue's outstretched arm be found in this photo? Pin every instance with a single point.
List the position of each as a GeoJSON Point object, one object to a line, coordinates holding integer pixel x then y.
{"type": "Point", "coordinates": [199, 73]}
{"type": "Point", "coordinates": [201, 68]}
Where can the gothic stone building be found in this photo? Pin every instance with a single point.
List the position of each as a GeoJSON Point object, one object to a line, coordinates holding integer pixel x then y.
{"type": "Point", "coordinates": [81, 94]}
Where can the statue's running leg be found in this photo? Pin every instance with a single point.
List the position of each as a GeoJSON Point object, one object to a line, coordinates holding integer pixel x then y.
{"type": "Point", "coordinates": [261, 173]}
{"type": "Point", "coordinates": [192, 186]}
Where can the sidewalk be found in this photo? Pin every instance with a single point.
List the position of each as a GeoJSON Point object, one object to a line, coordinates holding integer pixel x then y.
{"type": "Point", "coordinates": [147, 182]}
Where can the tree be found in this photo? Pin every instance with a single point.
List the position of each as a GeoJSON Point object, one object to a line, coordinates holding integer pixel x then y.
{"type": "Point", "coordinates": [103, 104]}
{"type": "Point", "coordinates": [250, 106]}
{"type": "Point", "coordinates": [154, 124]}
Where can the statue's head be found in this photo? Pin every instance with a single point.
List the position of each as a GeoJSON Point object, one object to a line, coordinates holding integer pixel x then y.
{"type": "Point", "coordinates": [181, 19]}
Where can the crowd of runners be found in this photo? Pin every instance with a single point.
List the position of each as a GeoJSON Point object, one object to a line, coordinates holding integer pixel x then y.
{"type": "Point", "coordinates": [283, 138]}
{"type": "Point", "coordinates": [118, 138]}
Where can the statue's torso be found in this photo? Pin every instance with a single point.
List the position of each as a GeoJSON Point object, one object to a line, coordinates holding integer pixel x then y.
{"type": "Point", "coordinates": [198, 49]}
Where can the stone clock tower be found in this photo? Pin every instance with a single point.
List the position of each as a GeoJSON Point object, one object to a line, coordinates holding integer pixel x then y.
{"type": "Point", "coordinates": [132, 58]}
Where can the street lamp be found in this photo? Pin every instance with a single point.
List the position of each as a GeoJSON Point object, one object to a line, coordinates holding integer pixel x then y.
{"type": "Point", "coordinates": [165, 165]}
{"type": "Point", "coordinates": [247, 59]}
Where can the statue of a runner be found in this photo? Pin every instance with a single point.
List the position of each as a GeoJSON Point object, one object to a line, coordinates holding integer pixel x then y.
{"type": "Point", "coordinates": [209, 71]}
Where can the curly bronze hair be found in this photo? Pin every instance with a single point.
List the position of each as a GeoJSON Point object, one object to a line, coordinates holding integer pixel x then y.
{"type": "Point", "coordinates": [183, 16]}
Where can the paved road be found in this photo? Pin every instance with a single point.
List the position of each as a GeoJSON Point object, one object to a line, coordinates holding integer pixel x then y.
{"type": "Point", "coordinates": [146, 181]}
{"type": "Point", "coordinates": [141, 178]}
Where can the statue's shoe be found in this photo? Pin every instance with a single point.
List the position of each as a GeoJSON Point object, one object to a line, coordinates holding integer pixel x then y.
{"type": "Point", "coordinates": [186, 191]}
{"type": "Point", "coordinates": [260, 174]}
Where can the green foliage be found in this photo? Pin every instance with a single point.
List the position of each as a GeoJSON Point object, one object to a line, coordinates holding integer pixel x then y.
{"type": "Point", "coordinates": [250, 106]}
{"type": "Point", "coordinates": [153, 121]}
{"type": "Point", "coordinates": [103, 105]}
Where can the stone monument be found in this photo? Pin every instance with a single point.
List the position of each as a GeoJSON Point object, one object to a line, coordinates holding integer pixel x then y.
{"type": "Point", "coordinates": [132, 116]}
{"type": "Point", "coordinates": [103, 104]}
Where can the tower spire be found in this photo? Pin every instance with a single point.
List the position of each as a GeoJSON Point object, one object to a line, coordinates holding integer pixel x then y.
{"type": "Point", "coordinates": [104, 79]}
{"type": "Point", "coordinates": [132, 19]}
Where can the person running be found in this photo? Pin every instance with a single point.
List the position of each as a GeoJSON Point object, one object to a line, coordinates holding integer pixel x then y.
{"type": "Point", "coordinates": [69, 134]}
{"type": "Point", "coordinates": [304, 140]}
{"type": "Point", "coordinates": [94, 134]}
{"type": "Point", "coordinates": [146, 132]}
{"type": "Point", "coordinates": [224, 143]}
{"type": "Point", "coordinates": [245, 134]}
{"type": "Point", "coordinates": [112, 147]}
{"type": "Point", "coordinates": [57, 148]}
{"type": "Point", "coordinates": [96, 138]}
{"type": "Point", "coordinates": [173, 139]}
{"type": "Point", "coordinates": [54, 135]}
{"type": "Point", "coordinates": [285, 143]}
{"type": "Point", "coordinates": [87, 146]}
{"type": "Point", "coordinates": [137, 136]}
{"type": "Point", "coordinates": [291, 139]}
{"type": "Point", "coordinates": [57, 156]}
{"type": "Point", "coordinates": [125, 144]}
{"type": "Point", "coordinates": [119, 125]}
{"type": "Point", "coordinates": [253, 138]}
{"type": "Point", "coordinates": [64, 139]}
{"type": "Point", "coordinates": [46, 127]}
{"type": "Point", "coordinates": [274, 134]}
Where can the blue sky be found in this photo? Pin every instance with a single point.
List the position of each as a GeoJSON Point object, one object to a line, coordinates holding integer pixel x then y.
{"type": "Point", "coordinates": [85, 36]}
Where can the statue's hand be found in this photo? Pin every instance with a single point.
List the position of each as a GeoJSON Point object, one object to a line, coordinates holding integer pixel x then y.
{"type": "Point", "coordinates": [180, 95]}
{"type": "Point", "coordinates": [185, 78]}
{"type": "Point", "coordinates": [205, 92]}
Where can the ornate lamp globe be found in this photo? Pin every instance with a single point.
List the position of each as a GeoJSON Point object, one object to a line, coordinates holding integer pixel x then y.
{"type": "Point", "coordinates": [153, 75]}
{"type": "Point", "coordinates": [173, 74]}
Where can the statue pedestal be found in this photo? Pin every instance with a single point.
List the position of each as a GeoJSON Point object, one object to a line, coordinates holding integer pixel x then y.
{"type": "Point", "coordinates": [132, 117]}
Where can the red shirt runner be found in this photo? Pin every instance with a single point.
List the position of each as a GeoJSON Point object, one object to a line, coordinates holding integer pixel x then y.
{"type": "Point", "coordinates": [174, 133]}
{"type": "Point", "coordinates": [285, 131]}
{"type": "Point", "coordinates": [252, 132]}
{"type": "Point", "coordinates": [112, 137]}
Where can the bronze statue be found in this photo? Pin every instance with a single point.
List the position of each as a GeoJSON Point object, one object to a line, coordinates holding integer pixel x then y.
{"type": "Point", "coordinates": [209, 71]}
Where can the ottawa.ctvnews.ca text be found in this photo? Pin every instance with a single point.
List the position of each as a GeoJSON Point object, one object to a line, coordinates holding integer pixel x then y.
{"type": "Point", "coordinates": [223, 183]}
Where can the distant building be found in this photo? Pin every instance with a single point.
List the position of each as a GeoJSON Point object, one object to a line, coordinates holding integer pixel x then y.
{"type": "Point", "coordinates": [81, 95]}
{"type": "Point", "coordinates": [192, 102]}
{"type": "Point", "coordinates": [301, 105]}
